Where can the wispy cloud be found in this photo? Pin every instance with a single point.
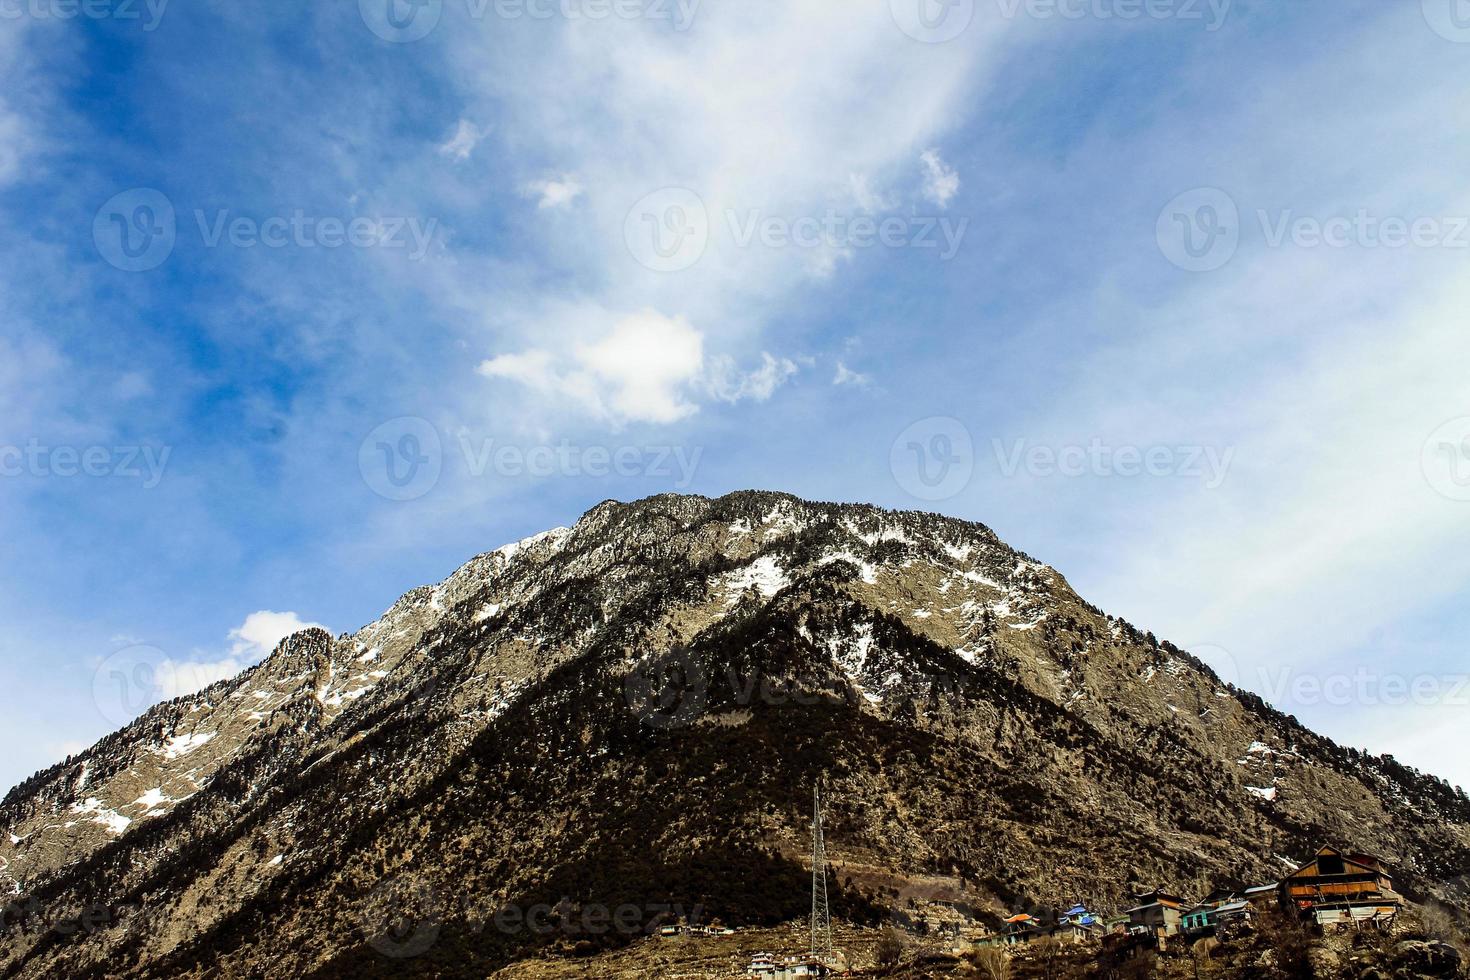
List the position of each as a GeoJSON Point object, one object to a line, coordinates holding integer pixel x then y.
{"type": "Point", "coordinates": [847, 376]}
{"type": "Point", "coordinates": [556, 192]}
{"type": "Point", "coordinates": [462, 144]}
{"type": "Point", "coordinates": [941, 182]}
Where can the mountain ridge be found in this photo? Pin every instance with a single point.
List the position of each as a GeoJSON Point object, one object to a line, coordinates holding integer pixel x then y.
{"type": "Point", "coordinates": [968, 709]}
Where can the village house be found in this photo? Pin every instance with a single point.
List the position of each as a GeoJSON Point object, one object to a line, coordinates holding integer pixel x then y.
{"type": "Point", "coordinates": [1338, 887]}
{"type": "Point", "coordinates": [1203, 919]}
{"type": "Point", "coordinates": [1157, 913]}
{"type": "Point", "coordinates": [1075, 925]}
{"type": "Point", "coordinates": [765, 966]}
{"type": "Point", "coordinates": [1019, 928]}
{"type": "Point", "coordinates": [1264, 898]}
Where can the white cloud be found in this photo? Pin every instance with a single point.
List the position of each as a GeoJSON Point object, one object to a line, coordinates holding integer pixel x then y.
{"type": "Point", "coordinates": [847, 376]}
{"type": "Point", "coordinates": [729, 384]}
{"type": "Point", "coordinates": [554, 192]}
{"type": "Point", "coordinates": [645, 368]}
{"type": "Point", "coordinates": [250, 642]}
{"type": "Point", "coordinates": [177, 678]}
{"type": "Point", "coordinates": [258, 636]}
{"type": "Point", "coordinates": [746, 114]}
{"type": "Point", "coordinates": [534, 368]}
{"type": "Point", "coordinates": [865, 197]}
{"type": "Point", "coordinates": [941, 182]}
{"type": "Point", "coordinates": [466, 137]}
{"type": "Point", "coordinates": [639, 371]}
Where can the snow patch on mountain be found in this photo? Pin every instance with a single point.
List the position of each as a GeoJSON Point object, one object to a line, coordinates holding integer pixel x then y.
{"type": "Point", "coordinates": [765, 574]}
{"type": "Point", "coordinates": [181, 745]}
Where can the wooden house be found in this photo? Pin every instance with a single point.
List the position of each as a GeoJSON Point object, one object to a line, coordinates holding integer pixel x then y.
{"type": "Point", "coordinates": [1342, 887]}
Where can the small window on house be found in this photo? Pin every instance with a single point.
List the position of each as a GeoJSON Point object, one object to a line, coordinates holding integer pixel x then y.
{"type": "Point", "coordinates": [1331, 864]}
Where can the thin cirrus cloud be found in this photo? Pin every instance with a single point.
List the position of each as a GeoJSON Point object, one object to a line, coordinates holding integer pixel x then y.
{"type": "Point", "coordinates": [657, 112]}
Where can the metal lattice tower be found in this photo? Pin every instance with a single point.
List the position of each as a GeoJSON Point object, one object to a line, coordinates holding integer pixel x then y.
{"type": "Point", "coordinates": [821, 914]}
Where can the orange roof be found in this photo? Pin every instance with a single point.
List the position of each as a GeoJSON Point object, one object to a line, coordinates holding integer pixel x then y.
{"type": "Point", "coordinates": [1018, 918]}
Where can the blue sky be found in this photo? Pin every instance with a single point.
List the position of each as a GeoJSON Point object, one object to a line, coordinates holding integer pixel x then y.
{"type": "Point", "coordinates": [301, 308]}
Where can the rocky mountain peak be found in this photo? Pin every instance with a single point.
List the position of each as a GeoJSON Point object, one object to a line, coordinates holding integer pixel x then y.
{"type": "Point", "coordinates": [631, 710]}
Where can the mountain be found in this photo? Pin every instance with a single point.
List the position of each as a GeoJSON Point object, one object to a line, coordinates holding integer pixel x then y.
{"type": "Point", "coordinates": [585, 734]}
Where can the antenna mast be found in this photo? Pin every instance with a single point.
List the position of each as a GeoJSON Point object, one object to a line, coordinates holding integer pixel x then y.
{"type": "Point", "coordinates": [821, 914]}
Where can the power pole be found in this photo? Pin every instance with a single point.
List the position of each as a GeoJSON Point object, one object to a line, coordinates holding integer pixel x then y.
{"type": "Point", "coordinates": [821, 914]}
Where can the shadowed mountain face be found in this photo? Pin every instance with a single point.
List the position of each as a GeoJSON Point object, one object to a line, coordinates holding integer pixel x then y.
{"type": "Point", "coordinates": [577, 737]}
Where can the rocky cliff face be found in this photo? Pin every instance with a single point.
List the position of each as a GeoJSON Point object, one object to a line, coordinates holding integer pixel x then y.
{"type": "Point", "coordinates": [577, 736]}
